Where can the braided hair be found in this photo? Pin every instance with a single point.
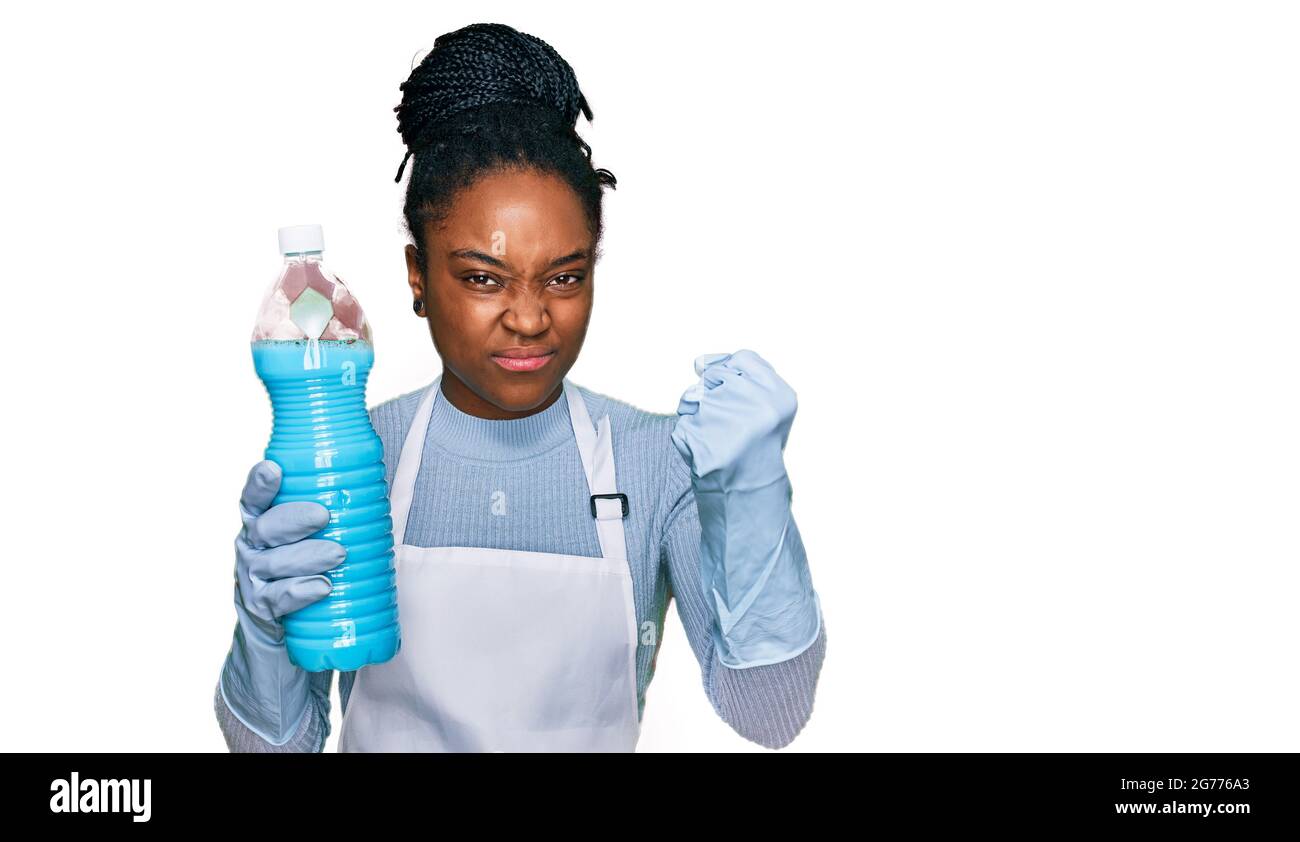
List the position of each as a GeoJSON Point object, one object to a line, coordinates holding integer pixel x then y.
{"type": "Point", "coordinates": [488, 97]}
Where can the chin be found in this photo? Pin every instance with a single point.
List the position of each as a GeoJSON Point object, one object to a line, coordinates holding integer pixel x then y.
{"type": "Point", "coordinates": [524, 393]}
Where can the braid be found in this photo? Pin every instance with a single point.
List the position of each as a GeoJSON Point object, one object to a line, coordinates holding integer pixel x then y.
{"type": "Point", "coordinates": [485, 97]}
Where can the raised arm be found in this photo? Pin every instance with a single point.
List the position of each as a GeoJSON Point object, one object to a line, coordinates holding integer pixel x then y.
{"type": "Point", "coordinates": [768, 704]}
{"type": "Point", "coordinates": [733, 550]}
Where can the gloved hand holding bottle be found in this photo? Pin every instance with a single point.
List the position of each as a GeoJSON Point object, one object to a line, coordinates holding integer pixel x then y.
{"type": "Point", "coordinates": [278, 570]}
{"type": "Point", "coordinates": [731, 429]}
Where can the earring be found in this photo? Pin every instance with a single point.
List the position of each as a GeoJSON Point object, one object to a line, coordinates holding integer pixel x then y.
{"type": "Point", "coordinates": [418, 305]}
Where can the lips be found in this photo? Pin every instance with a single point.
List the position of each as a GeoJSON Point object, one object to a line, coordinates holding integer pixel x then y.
{"type": "Point", "coordinates": [524, 352]}
{"type": "Point", "coordinates": [523, 359]}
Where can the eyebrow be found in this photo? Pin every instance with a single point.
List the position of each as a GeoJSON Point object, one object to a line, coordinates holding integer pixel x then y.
{"type": "Point", "coordinates": [474, 254]}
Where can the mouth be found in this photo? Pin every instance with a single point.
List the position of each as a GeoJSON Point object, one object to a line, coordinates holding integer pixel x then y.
{"type": "Point", "coordinates": [523, 359]}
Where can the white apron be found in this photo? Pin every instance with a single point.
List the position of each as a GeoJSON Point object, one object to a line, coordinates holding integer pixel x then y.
{"type": "Point", "coordinates": [506, 650]}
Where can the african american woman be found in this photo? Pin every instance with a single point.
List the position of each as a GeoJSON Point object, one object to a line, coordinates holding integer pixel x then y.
{"type": "Point", "coordinates": [542, 528]}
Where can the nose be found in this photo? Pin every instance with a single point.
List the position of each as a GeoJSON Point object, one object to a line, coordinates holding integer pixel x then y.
{"type": "Point", "coordinates": [526, 314]}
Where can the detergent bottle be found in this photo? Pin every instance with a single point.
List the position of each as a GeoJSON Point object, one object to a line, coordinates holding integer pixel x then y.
{"type": "Point", "coordinates": [312, 350]}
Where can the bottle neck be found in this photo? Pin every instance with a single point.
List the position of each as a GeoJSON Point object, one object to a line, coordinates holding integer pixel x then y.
{"type": "Point", "coordinates": [302, 257]}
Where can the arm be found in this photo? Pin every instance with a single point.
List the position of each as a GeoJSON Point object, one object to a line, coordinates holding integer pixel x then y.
{"type": "Point", "coordinates": [767, 704]}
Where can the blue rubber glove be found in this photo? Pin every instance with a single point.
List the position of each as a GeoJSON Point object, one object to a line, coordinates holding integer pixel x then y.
{"type": "Point", "coordinates": [278, 570]}
{"type": "Point", "coordinates": [731, 429]}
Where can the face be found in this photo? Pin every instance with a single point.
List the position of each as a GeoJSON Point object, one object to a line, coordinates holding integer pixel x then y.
{"type": "Point", "coordinates": [507, 291]}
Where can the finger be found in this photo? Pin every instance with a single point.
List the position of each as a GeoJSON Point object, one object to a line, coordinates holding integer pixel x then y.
{"type": "Point", "coordinates": [715, 375]}
{"type": "Point", "coordinates": [286, 523]}
{"type": "Point", "coordinates": [690, 402]}
{"type": "Point", "coordinates": [780, 395]}
{"type": "Point", "coordinates": [703, 361]}
{"type": "Point", "coordinates": [695, 447]}
{"type": "Point", "coordinates": [260, 488]}
{"type": "Point", "coordinates": [289, 595]}
{"type": "Point", "coordinates": [749, 362]}
{"type": "Point", "coordinates": [748, 366]}
{"type": "Point", "coordinates": [308, 557]}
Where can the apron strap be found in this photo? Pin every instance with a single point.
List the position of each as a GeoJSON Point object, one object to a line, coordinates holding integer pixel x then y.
{"type": "Point", "coordinates": [608, 506]}
{"type": "Point", "coordinates": [408, 463]}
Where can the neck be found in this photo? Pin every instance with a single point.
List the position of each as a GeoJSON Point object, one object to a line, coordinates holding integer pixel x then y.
{"type": "Point", "coordinates": [467, 436]}
{"type": "Point", "coordinates": [471, 403]}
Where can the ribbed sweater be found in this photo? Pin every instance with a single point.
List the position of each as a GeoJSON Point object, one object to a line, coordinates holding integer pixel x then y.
{"type": "Point", "coordinates": [519, 484]}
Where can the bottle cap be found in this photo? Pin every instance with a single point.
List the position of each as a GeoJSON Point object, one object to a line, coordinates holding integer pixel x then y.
{"type": "Point", "coordinates": [298, 239]}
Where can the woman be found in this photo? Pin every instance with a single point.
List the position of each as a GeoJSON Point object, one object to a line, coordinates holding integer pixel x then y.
{"type": "Point", "coordinates": [541, 528]}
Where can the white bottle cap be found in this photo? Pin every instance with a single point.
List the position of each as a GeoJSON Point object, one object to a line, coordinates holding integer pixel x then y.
{"type": "Point", "coordinates": [297, 239]}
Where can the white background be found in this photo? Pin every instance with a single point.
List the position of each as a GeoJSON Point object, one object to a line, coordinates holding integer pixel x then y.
{"type": "Point", "coordinates": [1030, 267]}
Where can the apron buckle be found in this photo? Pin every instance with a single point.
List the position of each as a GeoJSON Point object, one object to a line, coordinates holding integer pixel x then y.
{"type": "Point", "coordinates": [620, 497]}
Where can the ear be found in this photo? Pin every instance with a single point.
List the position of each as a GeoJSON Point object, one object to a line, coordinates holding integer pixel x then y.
{"type": "Point", "coordinates": [415, 273]}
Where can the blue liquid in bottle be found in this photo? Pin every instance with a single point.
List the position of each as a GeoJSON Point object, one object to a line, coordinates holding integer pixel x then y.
{"type": "Point", "coordinates": [329, 453]}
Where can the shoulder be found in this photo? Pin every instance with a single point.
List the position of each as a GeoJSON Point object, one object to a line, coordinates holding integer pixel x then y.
{"type": "Point", "coordinates": [643, 437]}
{"type": "Point", "coordinates": [395, 414]}
{"type": "Point", "coordinates": [390, 420]}
{"type": "Point", "coordinates": [640, 428]}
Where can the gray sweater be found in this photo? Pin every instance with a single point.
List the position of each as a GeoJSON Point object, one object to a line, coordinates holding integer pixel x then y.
{"type": "Point", "coordinates": [471, 465]}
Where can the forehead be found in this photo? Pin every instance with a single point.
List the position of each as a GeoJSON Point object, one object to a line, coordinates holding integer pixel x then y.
{"type": "Point", "coordinates": [531, 209]}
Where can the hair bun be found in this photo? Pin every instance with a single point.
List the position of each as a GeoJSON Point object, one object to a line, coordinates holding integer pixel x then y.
{"type": "Point", "coordinates": [483, 64]}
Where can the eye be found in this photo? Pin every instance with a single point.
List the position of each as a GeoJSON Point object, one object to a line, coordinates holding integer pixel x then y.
{"type": "Point", "coordinates": [573, 281]}
{"type": "Point", "coordinates": [475, 279]}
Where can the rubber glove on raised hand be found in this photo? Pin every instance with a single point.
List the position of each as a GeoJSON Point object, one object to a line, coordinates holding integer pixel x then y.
{"type": "Point", "coordinates": [278, 570]}
{"type": "Point", "coordinates": [731, 429]}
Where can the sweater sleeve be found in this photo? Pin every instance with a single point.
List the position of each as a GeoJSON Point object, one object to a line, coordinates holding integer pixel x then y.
{"type": "Point", "coordinates": [311, 733]}
{"type": "Point", "coordinates": [767, 704]}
